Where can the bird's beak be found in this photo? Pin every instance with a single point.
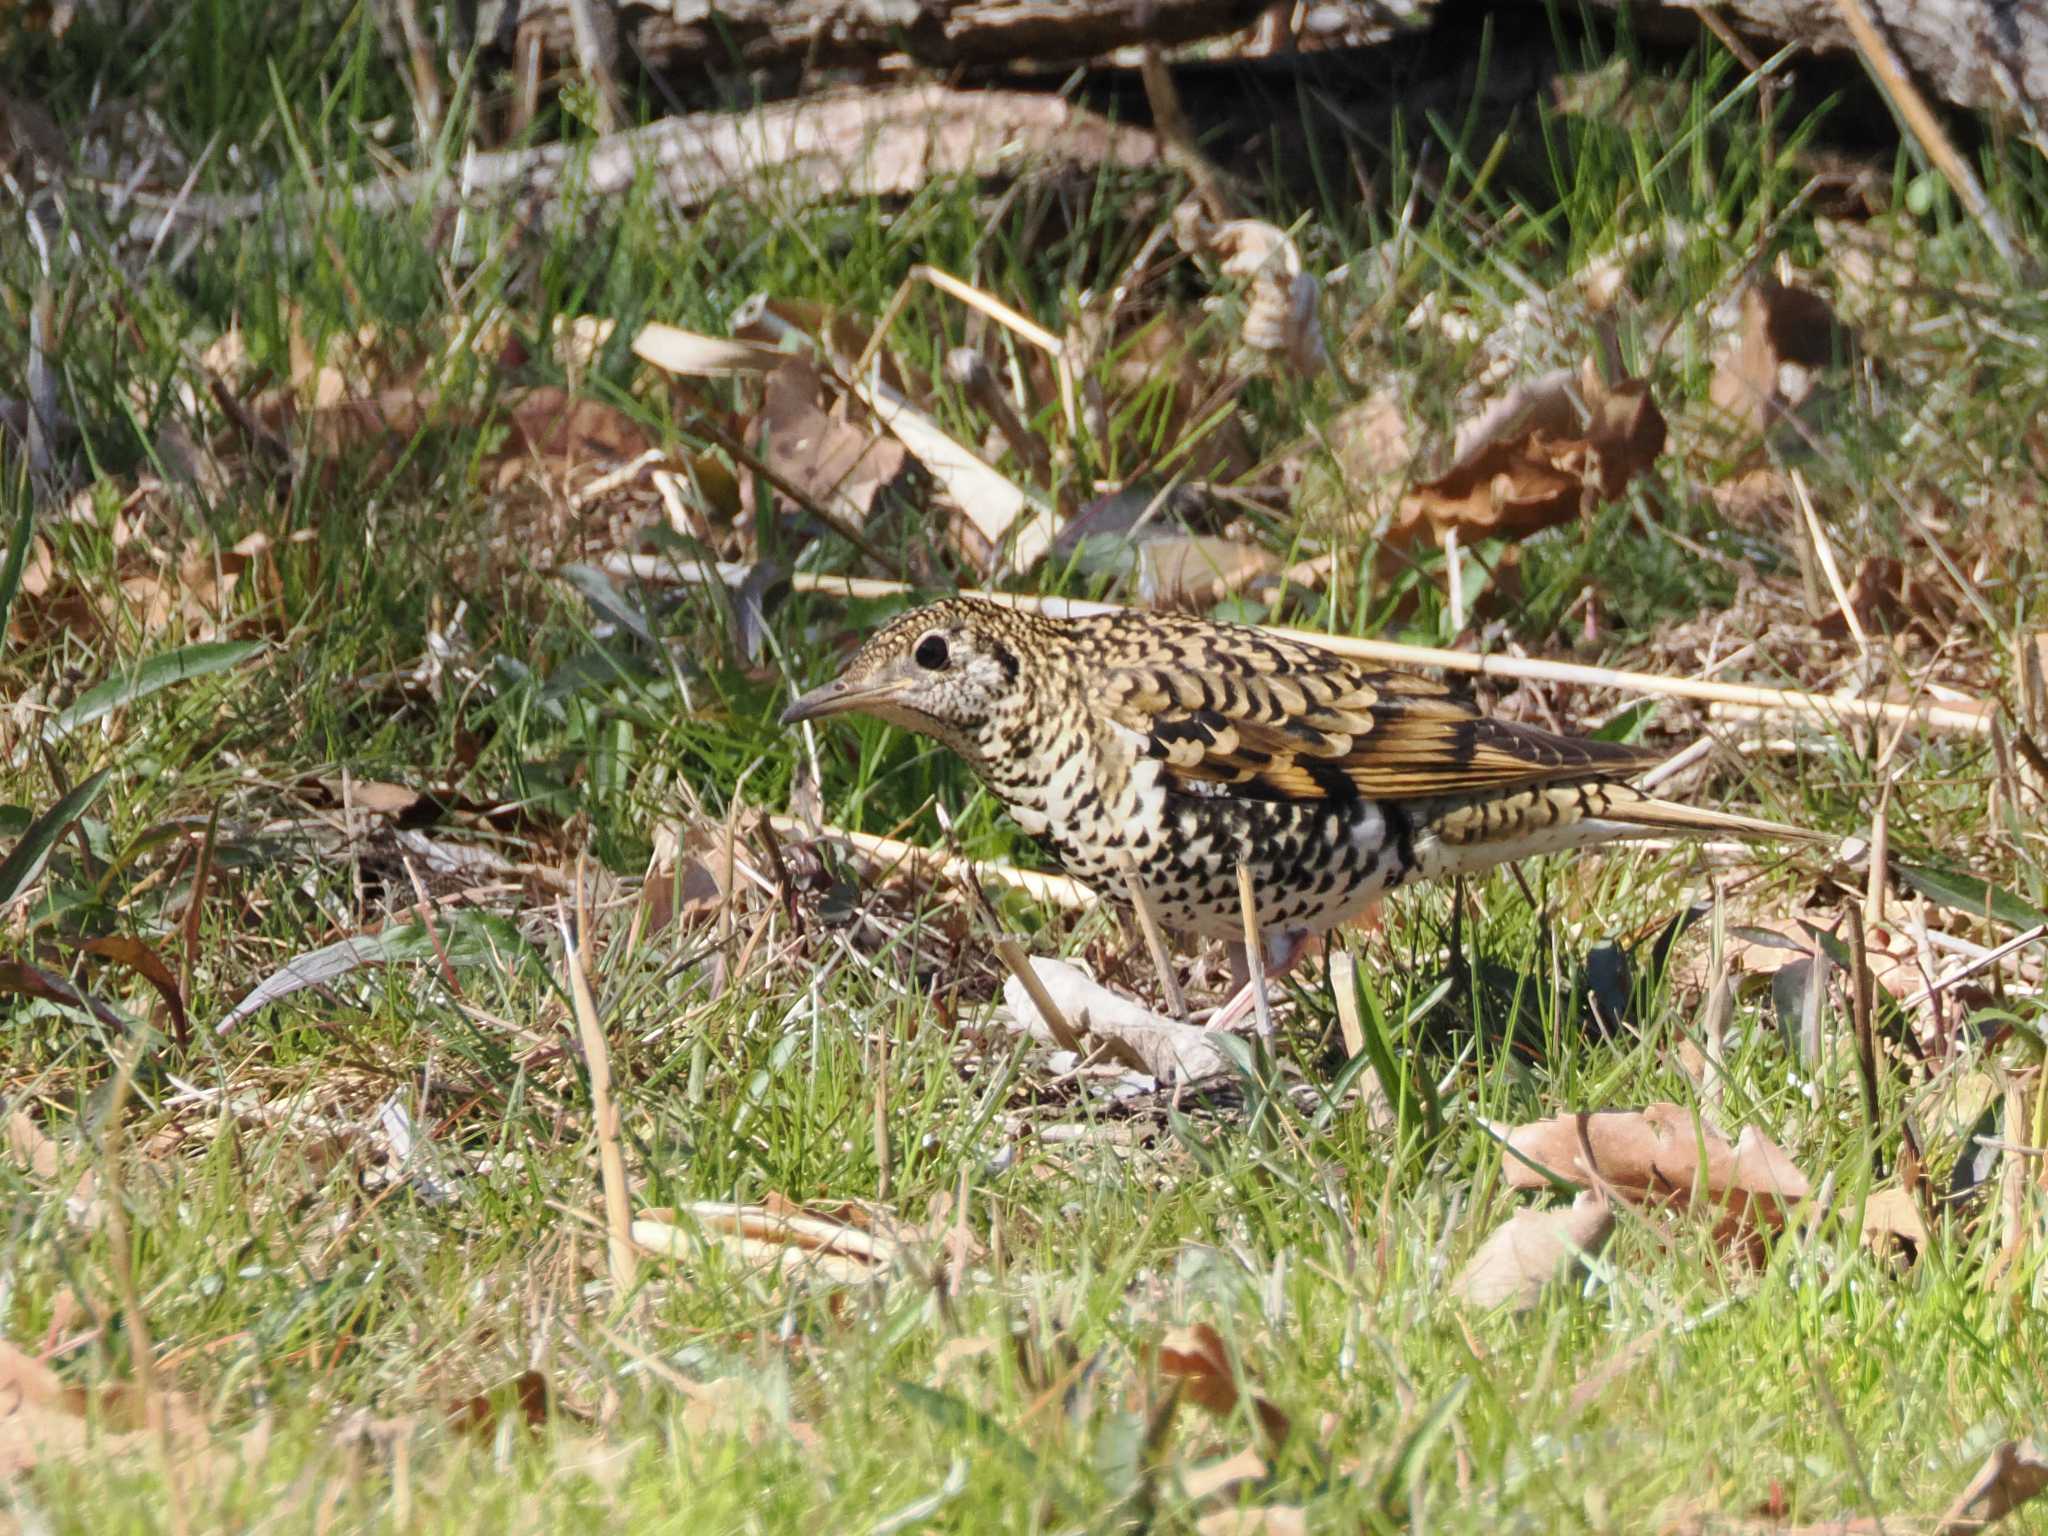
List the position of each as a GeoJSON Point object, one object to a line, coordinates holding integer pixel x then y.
{"type": "Point", "coordinates": [837, 697]}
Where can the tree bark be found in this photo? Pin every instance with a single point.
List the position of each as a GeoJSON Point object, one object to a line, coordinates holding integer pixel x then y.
{"type": "Point", "coordinates": [1987, 54]}
{"type": "Point", "coordinates": [1983, 54]}
{"type": "Point", "coordinates": [676, 34]}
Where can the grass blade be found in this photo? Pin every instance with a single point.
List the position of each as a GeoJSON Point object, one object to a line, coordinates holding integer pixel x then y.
{"type": "Point", "coordinates": [16, 562]}
{"type": "Point", "coordinates": [25, 860]}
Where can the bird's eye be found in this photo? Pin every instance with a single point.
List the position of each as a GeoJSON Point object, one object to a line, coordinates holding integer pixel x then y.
{"type": "Point", "coordinates": [931, 652]}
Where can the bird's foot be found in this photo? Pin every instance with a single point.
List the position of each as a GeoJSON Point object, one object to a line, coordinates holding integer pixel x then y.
{"type": "Point", "coordinates": [1283, 953]}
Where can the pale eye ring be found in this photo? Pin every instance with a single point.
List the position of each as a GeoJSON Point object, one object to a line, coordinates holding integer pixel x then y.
{"type": "Point", "coordinates": [931, 652]}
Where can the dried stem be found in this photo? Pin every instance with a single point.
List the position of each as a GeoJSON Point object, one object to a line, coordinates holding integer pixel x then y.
{"type": "Point", "coordinates": [1155, 940]}
{"type": "Point", "coordinates": [611, 1160]}
{"type": "Point", "coordinates": [1254, 949]}
{"type": "Point", "coordinates": [1866, 1039]}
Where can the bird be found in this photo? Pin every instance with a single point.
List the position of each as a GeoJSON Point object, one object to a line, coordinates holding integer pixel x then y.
{"type": "Point", "coordinates": [1133, 741]}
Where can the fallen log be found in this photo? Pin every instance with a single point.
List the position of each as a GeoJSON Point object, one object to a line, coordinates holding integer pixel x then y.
{"type": "Point", "coordinates": [1970, 53]}
{"type": "Point", "coordinates": [844, 144]}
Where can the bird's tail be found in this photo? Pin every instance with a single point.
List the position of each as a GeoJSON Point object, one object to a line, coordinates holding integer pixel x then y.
{"type": "Point", "coordinates": [1456, 835]}
{"type": "Point", "coordinates": [1654, 815]}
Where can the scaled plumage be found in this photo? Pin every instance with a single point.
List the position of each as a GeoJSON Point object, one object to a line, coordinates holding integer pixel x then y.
{"type": "Point", "coordinates": [1192, 746]}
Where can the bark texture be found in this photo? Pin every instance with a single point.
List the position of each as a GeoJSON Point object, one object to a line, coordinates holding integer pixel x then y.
{"type": "Point", "coordinates": [1988, 54]}
{"type": "Point", "coordinates": [1984, 54]}
{"type": "Point", "coordinates": [670, 34]}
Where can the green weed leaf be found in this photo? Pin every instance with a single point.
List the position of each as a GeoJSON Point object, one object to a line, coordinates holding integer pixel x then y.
{"type": "Point", "coordinates": [1966, 893]}
{"type": "Point", "coordinates": [25, 859]}
{"type": "Point", "coordinates": [154, 675]}
{"type": "Point", "coordinates": [16, 562]}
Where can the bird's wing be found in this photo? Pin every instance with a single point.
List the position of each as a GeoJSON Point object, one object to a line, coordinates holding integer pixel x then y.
{"type": "Point", "coordinates": [1275, 720]}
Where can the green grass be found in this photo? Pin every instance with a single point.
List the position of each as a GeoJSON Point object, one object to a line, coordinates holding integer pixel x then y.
{"type": "Point", "coordinates": [292, 1277]}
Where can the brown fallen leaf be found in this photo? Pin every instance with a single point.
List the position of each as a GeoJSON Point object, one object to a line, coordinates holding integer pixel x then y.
{"type": "Point", "coordinates": [1889, 597]}
{"type": "Point", "coordinates": [385, 420]}
{"type": "Point", "coordinates": [1371, 440]}
{"type": "Point", "coordinates": [1001, 516]}
{"type": "Point", "coordinates": [568, 431]}
{"type": "Point", "coordinates": [1786, 334]}
{"type": "Point", "coordinates": [689, 878]}
{"type": "Point", "coordinates": [1539, 464]}
{"type": "Point", "coordinates": [1196, 1358]}
{"type": "Point", "coordinates": [478, 1416]}
{"type": "Point", "coordinates": [1197, 570]}
{"type": "Point", "coordinates": [1530, 1250]}
{"type": "Point", "coordinates": [1282, 298]}
{"type": "Point", "coordinates": [42, 1420]}
{"type": "Point", "coordinates": [340, 365]}
{"type": "Point", "coordinates": [20, 978]}
{"type": "Point", "coordinates": [187, 590]}
{"type": "Point", "coordinates": [373, 795]}
{"type": "Point", "coordinates": [125, 950]}
{"type": "Point", "coordinates": [1892, 1222]}
{"type": "Point", "coordinates": [1661, 1155]}
{"type": "Point", "coordinates": [32, 1148]}
{"type": "Point", "coordinates": [803, 433]}
{"type": "Point", "coordinates": [2014, 1474]}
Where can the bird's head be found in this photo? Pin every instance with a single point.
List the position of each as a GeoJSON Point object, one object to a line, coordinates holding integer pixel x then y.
{"type": "Point", "coordinates": [952, 671]}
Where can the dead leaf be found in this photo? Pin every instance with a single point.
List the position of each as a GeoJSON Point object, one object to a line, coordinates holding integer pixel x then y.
{"type": "Point", "coordinates": [387, 420]}
{"type": "Point", "coordinates": [798, 1242]}
{"type": "Point", "coordinates": [804, 435]}
{"type": "Point", "coordinates": [1002, 511]}
{"type": "Point", "coordinates": [1370, 440]}
{"type": "Point", "coordinates": [1198, 571]}
{"type": "Point", "coordinates": [549, 423]}
{"type": "Point", "coordinates": [1167, 1048]}
{"type": "Point", "coordinates": [40, 1418]}
{"type": "Point", "coordinates": [478, 1415]}
{"type": "Point", "coordinates": [1661, 1155]}
{"type": "Point", "coordinates": [1196, 1358]}
{"type": "Point", "coordinates": [121, 949]}
{"type": "Point", "coordinates": [1282, 299]}
{"type": "Point", "coordinates": [694, 355]}
{"type": "Point", "coordinates": [1892, 1221]}
{"type": "Point", "coordinates": [1888, 597]}
{"type": "Point", "coordinates": [1537, 465]}
{"type": "Point", "coordinates": [342, 366]}
{"type": "Point", "coordinates": [1208, 1479]}
{"type": "Point", "coordinates": [27, 980]}
{"type": "Point", "coordinates": [32, 1149]}
{"type": "Point", "coordinates": [2015, 1473]}
{"type": "Point", "coordinates": [689, 877]}
{"type": "Point", "coordinates": [1530, 1250]}
{"type": "Point", "coordinates": [1786, 334]}
{"type": "Point", "coordinates": [1271, 1520]}
{"type": "Point", "coordinates": [43, 1421]}
{"type": "Point", "coordinates": [375, 796]}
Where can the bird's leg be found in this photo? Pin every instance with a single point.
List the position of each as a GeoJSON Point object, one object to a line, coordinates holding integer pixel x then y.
{"type": "Point", "coordinates": [1240, 965]}
{"type": "Point", "coordinates": [1283, 952]}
